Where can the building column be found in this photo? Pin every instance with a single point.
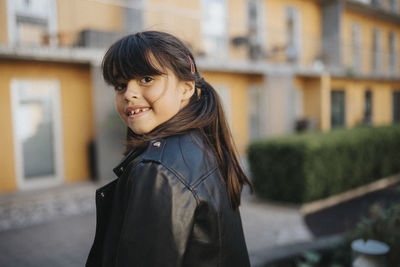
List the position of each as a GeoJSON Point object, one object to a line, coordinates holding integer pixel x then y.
{"type": "Point", "coordinates": [134, 16]}
{"type": "Point", "coordinates": [325, 102]}
{"type": "Point", "coordinates": [109, 129]}
{"type": "Point", "coordinates": [279, 100]}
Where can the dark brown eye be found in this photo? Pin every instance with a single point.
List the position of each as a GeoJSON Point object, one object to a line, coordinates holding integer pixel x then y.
{"type": "Point", "coordinates": [120, 87]}
{"type": "Point", "coordinates": [146, 79]}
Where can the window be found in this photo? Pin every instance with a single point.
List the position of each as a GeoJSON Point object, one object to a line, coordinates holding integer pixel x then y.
{"type": "Point", "coordinates": [356, 46]}
{"type": "Point", "coordinates": [225, 95]}
{"type": "Point", "coordinates": [368, 107]}
{"type": "Point", "coordinates": [393, 5]}
{"type": "Point", "coordinates": [37, 130]}
{"type": "Point", "coordinates": [377, 51]}
{"type": "Point", "coordinates": [338, 110]}
{"type": "Point", "coordinates": [32, 22]}
{"type": "Point", "coordinates": [377, 3]}
{"type": "Point", "coordinates": [255, 112]}
{"type": "Point", "coordinates": [392, 53]}
{"type": "Point", "coordinates": [364, 1]}
{"type": "Point", "coordinates": [256, 28]}
{"type": "Point", "coordinates": [396, 106]}
{"type": "Point", "coordinates": [293, 34]}
{"type": "Point", "coordinates": [214, 28]}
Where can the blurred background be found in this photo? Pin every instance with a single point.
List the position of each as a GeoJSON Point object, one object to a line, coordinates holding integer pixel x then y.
{"type": "Point", "coordinates": [280, 66]}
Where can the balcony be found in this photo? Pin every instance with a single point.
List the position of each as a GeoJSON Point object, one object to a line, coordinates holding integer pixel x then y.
{"type": "Point", "coordinates": [382, 10]}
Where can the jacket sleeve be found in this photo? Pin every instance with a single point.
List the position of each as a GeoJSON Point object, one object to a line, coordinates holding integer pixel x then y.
{"type": "Point", "coordinates": [158, 220]}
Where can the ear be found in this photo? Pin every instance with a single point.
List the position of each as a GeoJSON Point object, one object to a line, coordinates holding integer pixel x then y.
{"type": "Point", "coordinates": [187, 90]}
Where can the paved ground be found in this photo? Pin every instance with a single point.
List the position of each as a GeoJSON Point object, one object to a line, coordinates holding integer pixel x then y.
{"type": "Point", "coordinates": [344, 216]}
{"type": "Point", "coordinates": [48, 227]}
{"type": "Point", "coordinates": [56, 227]}
{"type": "Point", "coordinates": [270, 225]}
{"type": "Point", "coordinates": [59, 243]}
{"type": "Point", "coordinates": [22, 209]}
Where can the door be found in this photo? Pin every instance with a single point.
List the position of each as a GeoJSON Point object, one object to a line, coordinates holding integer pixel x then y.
{"type": "Point", "coordinates": [338, 110]}
{"type": "Point", "coordinates": [37, 133]}
{"type": "Point", "coordinates": [396, 106]}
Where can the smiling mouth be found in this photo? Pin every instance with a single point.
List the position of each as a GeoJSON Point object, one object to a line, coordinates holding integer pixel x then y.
{"type": "Point", "coordinates": [136, 112]}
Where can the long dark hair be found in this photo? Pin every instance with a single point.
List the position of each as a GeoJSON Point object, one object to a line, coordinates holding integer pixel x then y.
{"type": "Point", "coordinates": [129, 58]}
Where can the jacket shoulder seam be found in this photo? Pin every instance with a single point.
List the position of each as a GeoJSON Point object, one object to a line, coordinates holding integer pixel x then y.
{"type": "Point", "coordinates": [178, 176]}
{"type": "Point", "coordinates": [203, 177]}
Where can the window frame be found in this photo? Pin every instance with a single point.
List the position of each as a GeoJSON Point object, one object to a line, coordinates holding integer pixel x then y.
{"type": "Point", "coordinates": [377, 64]}
{"type": "Point", "coordinates": [57, 135]}
{"type": "Point", "coordinates": [220, 52]}
{"type": "Point", "coordinates": [356, 45]}
{"type": "Point", "coordinates": [297, 34]}
{"type": "Point", "coordinates": [15, 14]}
{"type": "Point", "coordinates": [392, 52]}
{"type": "Point", "coordinates": [257, 32]}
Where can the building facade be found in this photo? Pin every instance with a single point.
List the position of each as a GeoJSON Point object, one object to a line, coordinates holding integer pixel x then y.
{"type": "Point", "coordinates": [279, 66]}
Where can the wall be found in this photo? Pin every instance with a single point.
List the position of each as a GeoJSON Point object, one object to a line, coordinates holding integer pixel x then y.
{"type": "Point", "coordinates": [238, 85]}
{"type": "Point", "coordinates": [178, 17]}
{"type": "Point", "coordinates": [310, 25]}
{"type": "Point", "coordinates": [367, 25]}
{"type": "Point", "coordinates": [77, 15]}
{"type": "Point", "coordinates": [183, 18]}
{"type": "Point", "coordinates": [315, 92]}
{"type": "Point", "coordinates": [3, 22]}
{"type": "Point", "coordinates": [76, 112]}
{"type": "Point", "coordinates": [382, 102]}
{"type": "Point", "coordinates": [237, 26]}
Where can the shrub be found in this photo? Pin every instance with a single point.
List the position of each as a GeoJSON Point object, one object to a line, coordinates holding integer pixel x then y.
{"type": "Point", "coordinates": [310, 166]}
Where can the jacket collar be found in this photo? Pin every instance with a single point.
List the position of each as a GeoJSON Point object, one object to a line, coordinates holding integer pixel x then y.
{"type": "Point", "coordinates": [153, 152]}
{"type": "Point", "coordinates": [119, 169]}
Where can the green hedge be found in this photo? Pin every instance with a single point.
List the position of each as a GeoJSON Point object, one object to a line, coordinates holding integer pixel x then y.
{"type": "Point", "coordinates": [310, 166]}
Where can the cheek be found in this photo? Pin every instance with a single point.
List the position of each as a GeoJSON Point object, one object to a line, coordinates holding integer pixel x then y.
{"type": "Point", "coordinates": [119, 104]}
{"type": "Point", "coordinates": [154, 94]}
{"type": "Point", "coordinates": [165, 90]}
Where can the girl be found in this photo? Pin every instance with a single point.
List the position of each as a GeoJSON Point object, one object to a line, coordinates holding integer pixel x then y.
{"type": "Point", "coordinates": [175, 201]}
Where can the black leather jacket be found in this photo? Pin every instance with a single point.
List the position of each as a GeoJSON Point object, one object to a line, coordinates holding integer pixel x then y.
{"type": "Point", "coordinates": [168, 207]}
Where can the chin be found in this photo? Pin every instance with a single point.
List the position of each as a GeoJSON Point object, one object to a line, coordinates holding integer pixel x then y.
{"type": "Point", "coordinates": [139, 131]}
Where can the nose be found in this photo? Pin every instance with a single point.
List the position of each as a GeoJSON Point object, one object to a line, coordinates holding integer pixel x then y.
{"type": "Point", "coordinates": [132, 90]}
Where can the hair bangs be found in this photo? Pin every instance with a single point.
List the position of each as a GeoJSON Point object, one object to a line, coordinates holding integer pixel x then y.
{"type": "Point", "coordinates": [130, 58]}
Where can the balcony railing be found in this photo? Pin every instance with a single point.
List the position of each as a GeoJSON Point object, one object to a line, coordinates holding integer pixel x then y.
{"type": "Point", "coordinates": [391, 7]}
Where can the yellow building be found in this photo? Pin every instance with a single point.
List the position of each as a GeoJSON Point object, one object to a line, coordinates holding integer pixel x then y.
{"type": "Point", "coordinates": [276, 64]}
{"type": "Point", "coordinates": [47, 91]}
{"type": "Point", "coordinates": [362, 80]}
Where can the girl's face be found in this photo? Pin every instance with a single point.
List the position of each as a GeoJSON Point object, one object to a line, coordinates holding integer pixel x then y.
{"type": "Point", "coordinates": [148, 101]}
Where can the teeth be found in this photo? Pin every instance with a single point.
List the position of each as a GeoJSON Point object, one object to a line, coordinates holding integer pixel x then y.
{"type": "Point", "coordinates": [136, 111]}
